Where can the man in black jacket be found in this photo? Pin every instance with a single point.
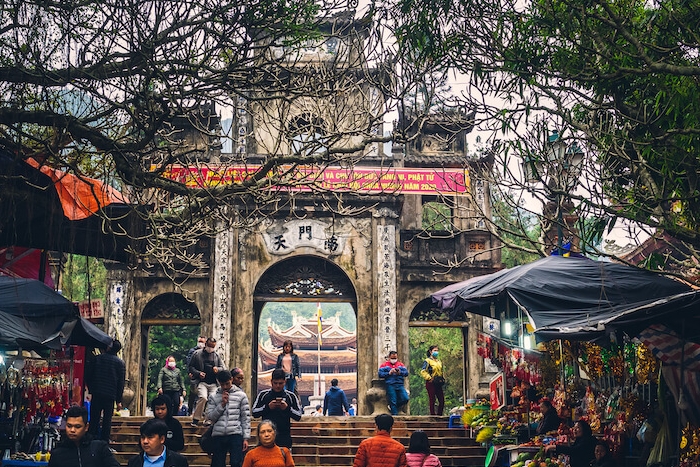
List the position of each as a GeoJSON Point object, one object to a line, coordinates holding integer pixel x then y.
{"type": "Point", "coordinates": [280, 406]}
{"type": "Point", "coordinates": [204, 365]}
{"type": "Point", "coordinates": [77, 448]}
{"type": "Point", "coordinates": [192, 397]}
{"type": "Point", "coordinates": [175, 438]}
{"type": "Point", "coordinates": [105, 380]}
{"type": "Point", "coordinates": [153, 434]}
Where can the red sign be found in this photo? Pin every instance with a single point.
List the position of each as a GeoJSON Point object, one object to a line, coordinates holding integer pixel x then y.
{"type": "Point", "coordinates": [352, 179]}
{"type": "Point", "coordinates": [497, 392]}
{"type": "Point", "coordinates": [91, 309]}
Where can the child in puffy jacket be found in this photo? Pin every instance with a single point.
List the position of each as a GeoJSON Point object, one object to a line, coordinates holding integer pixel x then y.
{"type": "Point", "coordinates": [418, 453]}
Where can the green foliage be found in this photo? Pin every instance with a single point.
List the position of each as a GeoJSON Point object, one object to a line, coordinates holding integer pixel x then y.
{"type": "Point", "coordinates": [437, 216]}
{"type": "Point", "coordinates": [169, 340]}
{"type": "Point", "coordinates": [518, 231]}
{"type": "Point", "coordinates": [452, 356]}
{"type": "Point", "coordinates": [83, 278]}
{"type": "Point", "coordinates": [622, 75]}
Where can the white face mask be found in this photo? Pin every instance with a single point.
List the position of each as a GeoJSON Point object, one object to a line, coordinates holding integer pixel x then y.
{"type": "Point", "coordinates": [171, 365]}
{"type": "Point", "coordinates": [393, 360]}
{"type": "Point", "coordinates": [200, 345]}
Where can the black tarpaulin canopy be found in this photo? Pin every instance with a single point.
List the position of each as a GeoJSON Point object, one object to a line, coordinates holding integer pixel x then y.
{"type": "Point", "coordinates": [577, 298]}
{"type": "Point", "coordinates": [33, 212]}
{"type": "Point", "coordinates": [33, 316]}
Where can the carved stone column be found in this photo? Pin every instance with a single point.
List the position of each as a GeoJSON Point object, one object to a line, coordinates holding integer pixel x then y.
{"type": "Point", "coordinates": [222, 274]}
{"type": "Point", "coordinates": [119, 305]}
{"type": "Point", "coordinates": [386, 285]}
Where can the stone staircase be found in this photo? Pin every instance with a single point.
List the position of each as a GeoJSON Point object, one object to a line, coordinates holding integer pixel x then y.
{"type": "Point", "coordinates": [325, 441]}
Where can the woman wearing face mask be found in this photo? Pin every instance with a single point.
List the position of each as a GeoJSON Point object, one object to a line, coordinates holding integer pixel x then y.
{"type": "Point", "coordinates": [434, 378]}
{"type": "Point", "coordinates": [171, 383]}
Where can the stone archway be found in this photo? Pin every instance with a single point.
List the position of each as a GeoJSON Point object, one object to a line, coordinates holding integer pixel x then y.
{"type": "Point", "coordinates": [430, 326]}
{"type": "Point", "coordinates": [303, 282]}
{"type": "Point", "coordinates": [174, 311]}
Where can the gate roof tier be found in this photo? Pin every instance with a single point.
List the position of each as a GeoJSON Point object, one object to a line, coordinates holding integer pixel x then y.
{"type": "Point", "coordinates": [346, 381]}
{"type": "Point", "coordinates": [304, 334]}
{"type": "Point", "coordinates": [309, 358]}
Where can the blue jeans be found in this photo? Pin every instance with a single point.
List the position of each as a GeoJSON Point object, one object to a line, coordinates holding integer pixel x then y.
{"type": "Point", "coordinates": [397, 396]}
{"type": "Point", "coordinates": [232, 444]}
{"type": "Point", "coordinates": [290, 384]}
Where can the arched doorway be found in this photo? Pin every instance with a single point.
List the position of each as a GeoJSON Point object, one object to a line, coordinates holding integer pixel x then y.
{"type": "Point", "coordinates": [170, 325]}
{"type": "Point", "coordinates": [429, 326]}
{"type": "Point", "coordinates": [286, 302]}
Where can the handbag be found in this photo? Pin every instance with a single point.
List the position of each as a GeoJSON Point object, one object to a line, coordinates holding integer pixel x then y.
{"type": "Point", "coordinates": [439, 381]}
{"type": "Point", "coordinates": [206, 442]}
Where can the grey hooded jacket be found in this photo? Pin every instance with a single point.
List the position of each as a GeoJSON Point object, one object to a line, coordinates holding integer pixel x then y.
{"type": "Point", "coordinates": [234, 419]}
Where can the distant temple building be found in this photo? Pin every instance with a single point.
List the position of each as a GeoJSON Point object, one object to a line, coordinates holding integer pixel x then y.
{"type": "Point", "coordinates": [337, 355]}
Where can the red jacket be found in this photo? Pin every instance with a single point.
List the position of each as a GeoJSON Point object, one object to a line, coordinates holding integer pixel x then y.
{"type": "Point", "coordinates": [380, 451]}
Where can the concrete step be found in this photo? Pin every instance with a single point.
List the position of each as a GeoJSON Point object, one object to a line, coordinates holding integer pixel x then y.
{"type": "Point", "coordinates": [329, 441]}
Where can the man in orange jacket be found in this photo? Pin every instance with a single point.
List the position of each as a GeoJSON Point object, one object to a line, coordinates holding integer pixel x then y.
{"type": "Point", "coordinates": [381, 450]}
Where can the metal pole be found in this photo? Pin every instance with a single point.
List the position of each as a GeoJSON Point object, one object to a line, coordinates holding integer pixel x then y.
{"type": "Point", "coordinates": [318, 359]}
{"type": "Point", "coordinates": [560, 221]}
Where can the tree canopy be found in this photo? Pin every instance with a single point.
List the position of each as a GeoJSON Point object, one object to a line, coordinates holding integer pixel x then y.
{"type": "Point", "coordinates": [618, 79]}
{"type": "Point", "coordinates": [113, 90]}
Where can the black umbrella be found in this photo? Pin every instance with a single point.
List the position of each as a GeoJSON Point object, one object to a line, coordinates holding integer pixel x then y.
{"type": "Point", "coordinates": [574, 298]}
{"type": "Point", "coordinates": [33, 316]}
{"type": "Point", "coordinates": [32, 299]}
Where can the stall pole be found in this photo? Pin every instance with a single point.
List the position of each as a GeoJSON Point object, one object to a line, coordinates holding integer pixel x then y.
{"type": "Point", "coordinates": [562, 367]}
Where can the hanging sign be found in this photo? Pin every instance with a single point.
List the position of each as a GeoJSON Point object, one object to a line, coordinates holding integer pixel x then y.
{"type": "Point", "coordinates": [497, 391]}
{"type": "Point", "coordinates": [91, 309]}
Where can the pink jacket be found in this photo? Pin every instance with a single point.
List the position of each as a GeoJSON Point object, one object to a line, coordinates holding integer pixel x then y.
{"type": "Point", "coordinates": [418, 459]}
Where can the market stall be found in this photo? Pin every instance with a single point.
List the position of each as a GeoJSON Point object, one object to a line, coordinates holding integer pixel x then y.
{"type": "Point", "coordinates": [43, 343]}
{"type": "Point", "coordinates": [626, 387]}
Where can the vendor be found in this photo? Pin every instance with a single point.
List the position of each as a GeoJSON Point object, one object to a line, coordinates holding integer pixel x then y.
{"type": "Point", "coordinates": [603, 457]}
{"type": "Point", "coordinates": [581, 452]}
{"type": "Point", "coordinates": [550, 420]}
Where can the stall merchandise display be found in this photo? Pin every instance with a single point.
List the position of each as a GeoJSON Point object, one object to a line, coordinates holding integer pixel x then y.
{"type": "Point", "coordinates": [524, 459]}
{"type": "Point", "coordinates": [45, 388]}
{"type": "Point", "coordinates": [34, 398]}
{"type": "Point", "coordinates": [690, 446]}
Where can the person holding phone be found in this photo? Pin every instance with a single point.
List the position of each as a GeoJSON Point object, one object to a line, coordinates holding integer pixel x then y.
{"type": "Point", "coordinates": [280, 406]}
{"type": "Point", "coordinates": [229, 410]}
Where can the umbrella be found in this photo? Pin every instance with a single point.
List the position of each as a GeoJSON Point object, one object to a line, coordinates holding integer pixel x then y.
{"type": "Point", "coordinates": [33, 316]}
{"type": "Point", "coordinates": [32, 299]}
{"type": "Point", "coordinates": [80, 332]}
{"type": "Point", "coordinates": [29, 334]}
{"type": "Point", "coordinates": [573, 297]}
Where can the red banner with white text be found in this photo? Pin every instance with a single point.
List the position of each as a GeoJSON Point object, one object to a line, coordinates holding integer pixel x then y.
{"type": "Point", "coordinates": [369, 180]}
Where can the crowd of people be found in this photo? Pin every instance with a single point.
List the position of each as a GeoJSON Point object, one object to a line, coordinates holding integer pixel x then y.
{"type": "Point", "coordinates": [218, 401]}
{"type": "Point", "coordinates": [222, 404]}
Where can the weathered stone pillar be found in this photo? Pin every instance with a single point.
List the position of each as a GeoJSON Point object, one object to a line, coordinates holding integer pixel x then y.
{"type": "Point", "coordinates": [223, 293]}
{"type": "Point", "coordinates": [119, 306]}
{"type": "Point", "coordinates": [385, 236]}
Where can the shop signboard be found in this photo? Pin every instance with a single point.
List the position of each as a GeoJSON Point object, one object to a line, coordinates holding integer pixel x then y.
{"type": "Point", "coordinates": [497, 391]}
{"type": "Point", "coordinates": [91, 309]}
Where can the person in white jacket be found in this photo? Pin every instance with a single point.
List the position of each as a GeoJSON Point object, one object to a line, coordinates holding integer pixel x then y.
{"type": "Point", "coordinates": [229, 411]}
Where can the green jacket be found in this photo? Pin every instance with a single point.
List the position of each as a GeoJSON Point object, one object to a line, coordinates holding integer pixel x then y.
{"type": "Point", "coordinates": [170, 380]}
